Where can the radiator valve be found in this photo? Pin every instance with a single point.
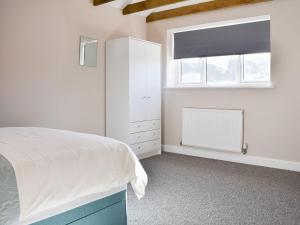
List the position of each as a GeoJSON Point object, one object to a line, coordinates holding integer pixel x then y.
{"type": "Point", "coordinates": [245, 148]}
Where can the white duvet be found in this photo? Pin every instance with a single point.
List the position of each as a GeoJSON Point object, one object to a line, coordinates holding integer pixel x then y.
{"type": "Point", "coordinates": [54, 167]}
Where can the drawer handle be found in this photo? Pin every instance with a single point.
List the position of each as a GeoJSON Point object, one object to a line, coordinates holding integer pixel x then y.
{"type": "Point", "coordinates": [139, 147]}
{"type": "Point", "coordinates": [138, 126]}
{"type": "Point", "coordinates": [139, 137]}
{"type": "Point", "coordinates": [154, 143]}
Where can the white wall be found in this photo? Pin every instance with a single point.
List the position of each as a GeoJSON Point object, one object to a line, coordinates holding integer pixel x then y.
{"type": "Point", "coordinates": [41, 82]}
{"type": "Point", "coordinates": [272, 126]}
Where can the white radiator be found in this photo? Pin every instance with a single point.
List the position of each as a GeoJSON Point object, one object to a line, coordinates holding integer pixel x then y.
{"type": "Point", "coordinates": [213, 129]}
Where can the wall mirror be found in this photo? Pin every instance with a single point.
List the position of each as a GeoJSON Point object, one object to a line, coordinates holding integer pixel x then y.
{"type": "Point", "coordinates": [88, 51]}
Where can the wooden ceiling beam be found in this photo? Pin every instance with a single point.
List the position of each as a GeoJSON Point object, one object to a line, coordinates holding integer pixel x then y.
{"type": "Point", "coordinates": [100, 2]}
{"type": "Point", "coordinates": [197, 8]}
{"type": "Point", "coordinates": [148, 4]}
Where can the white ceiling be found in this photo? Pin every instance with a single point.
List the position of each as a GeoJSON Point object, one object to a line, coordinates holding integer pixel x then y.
{"type": "Point", "coordinates": [122, 3]}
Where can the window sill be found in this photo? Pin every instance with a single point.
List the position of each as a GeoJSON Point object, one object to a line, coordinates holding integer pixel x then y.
{"type": "Point", "coordinates": [228, 86]}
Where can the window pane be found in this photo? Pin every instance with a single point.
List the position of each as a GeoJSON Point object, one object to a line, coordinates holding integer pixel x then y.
{"type": "Point", "coordinates": [223, 69]}
{"type": "Point", "coordinates": [257, 67]}
{"type": "Point", "coordinates": [191, 70]}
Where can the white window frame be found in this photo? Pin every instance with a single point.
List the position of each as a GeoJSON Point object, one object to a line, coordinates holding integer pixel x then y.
{"type": "Point", "coordinates": [172, 79]}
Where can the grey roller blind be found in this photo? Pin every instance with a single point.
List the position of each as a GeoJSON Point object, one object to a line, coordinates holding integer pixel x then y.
{"type": "Point", "coordinates": [227, 40]}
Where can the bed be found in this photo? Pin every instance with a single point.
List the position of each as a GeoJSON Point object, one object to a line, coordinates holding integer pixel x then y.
{"type": "Point", "coordinates": [56, 177]}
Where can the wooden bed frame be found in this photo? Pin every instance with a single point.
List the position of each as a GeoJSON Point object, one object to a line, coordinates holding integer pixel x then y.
{"type": "Point", "coordinates": [107, 211]}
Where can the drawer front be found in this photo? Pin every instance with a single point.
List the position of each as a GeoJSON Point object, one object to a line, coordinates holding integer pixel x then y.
{"type": "Point", "coordinates": [144, 136]}
{"type": "Point", "coordinates": [106, 216]}
{"type": "Point", "coordinates": [144, 126]}
{"type": "Point", "coordinates": [145, 147]}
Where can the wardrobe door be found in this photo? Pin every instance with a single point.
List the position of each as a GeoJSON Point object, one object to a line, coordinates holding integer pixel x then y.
{"type": "Point", "coordinates": [153, 81]}
{"type": "Point", "coordinates": [138, 81]}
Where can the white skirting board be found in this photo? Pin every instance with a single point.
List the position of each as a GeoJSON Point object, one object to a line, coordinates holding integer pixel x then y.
{"type": "Point", "coordinates": [233, 157]}
{"type": "Point", "coordinates": [149, 154]}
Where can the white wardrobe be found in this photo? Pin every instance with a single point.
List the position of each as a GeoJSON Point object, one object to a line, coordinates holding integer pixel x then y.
{"type": "Point", "coordinates": [133, 94]}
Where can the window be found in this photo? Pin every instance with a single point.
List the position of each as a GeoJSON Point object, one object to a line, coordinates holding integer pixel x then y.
{"type": "Point", "coordinates": [192, 70]}
{"type": "Point", "coordinates": [257, 67]}
{"type": "Point", "coordinates": [225, 70]}
{"type": "Point", "coordinates": [232, 53]}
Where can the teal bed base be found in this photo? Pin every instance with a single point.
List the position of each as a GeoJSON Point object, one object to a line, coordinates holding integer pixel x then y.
{"type": "Point", "coordinates": [107, 211]}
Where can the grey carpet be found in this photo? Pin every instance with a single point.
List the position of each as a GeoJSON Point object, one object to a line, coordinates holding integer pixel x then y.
{"type": "Point", "coordinates": [187, 190]}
